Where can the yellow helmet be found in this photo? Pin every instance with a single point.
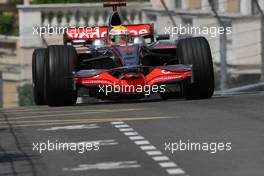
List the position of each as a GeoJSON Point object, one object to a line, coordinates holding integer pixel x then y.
{"type": "Point", "coordinates": [118, 30]}
{"type": "Point", "coordinates": [119, 35]}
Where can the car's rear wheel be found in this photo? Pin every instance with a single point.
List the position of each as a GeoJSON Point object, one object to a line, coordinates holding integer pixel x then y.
{"type": "Point", "coordinates": [196, 52]}
{"type": "Point", "coordinates": [61, 62]}
{"type": "Point", "coordinates": [38, 59]}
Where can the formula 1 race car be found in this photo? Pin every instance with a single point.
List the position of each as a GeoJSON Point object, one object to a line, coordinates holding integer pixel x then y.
{"type": "Point", "coordinates": [121, 61]}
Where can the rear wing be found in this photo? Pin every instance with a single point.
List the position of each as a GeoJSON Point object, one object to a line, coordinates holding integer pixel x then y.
{"type": "Point", "coordinates": [90, 33]}
{"type": "Point", "coordinates": [114, 4]}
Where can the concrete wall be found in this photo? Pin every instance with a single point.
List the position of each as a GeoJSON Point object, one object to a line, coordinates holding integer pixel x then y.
{"type": "Point", "coordinates": [26, 65]}
{"type": "Point", "coordinates": [233, 6]}
{"type": "Point", "coordinates": [195, 4]}
{"type": "Point", "coordinates": [3, 1]}
{"type": "Point", "coordinates": [10, 67]}
{"type": "Point", "coordinates": [246, 42]}
{"type": "Point", "coordinates": [10, 98]}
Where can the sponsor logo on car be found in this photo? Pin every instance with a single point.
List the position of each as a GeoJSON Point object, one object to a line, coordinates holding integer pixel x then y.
{"type": "Point", "coordinates": [101, 32]}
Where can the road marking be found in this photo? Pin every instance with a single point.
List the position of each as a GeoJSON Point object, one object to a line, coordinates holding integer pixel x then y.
{"type": "Point", "coordinates": [151, 153]}
{"type": "Point", "coordinates": [47, 108]}
{"type": "Point", "coordinates": [175, 171]}
{"type": "Point", "coordinates": [51, 111]}
{"type": "Point", "coordinates": [160, 158]}
{"type": "Point", "coordinates": [71, 111]}
{"type": "Point", "coordinates": [168, 164]}
{"type": "Point", "coordinates": [117, 123]}
{"type": "Point", "coordinates": [80, 121]}
{"type": "Point", "coordinates": [142, 142]}
{"type": "Point", "coordinates": [105, 166]}
{"type": "Point", "coordinates": [101, 142]}
{"type": "Point", "coordinates": [126, 129]}
{"type": "Point", "coordinates": [121, 126]}
{"type": "Point", "coordinates": [148, 147]}
{"type": "Point", "coordinates": [37, 110]}
{"type": "Point", "coordinates": [131, 133]}
{"type": "Point", "coordinates": [71, 127]}
{"type": "Point", "coordinates": [89, 120]}
{"type": "Point", "coordinates": [136, 137]}
{"type": "Point", "coordinates": [145, 145]}
{"type": "Point", "coordinates": [71, 114]}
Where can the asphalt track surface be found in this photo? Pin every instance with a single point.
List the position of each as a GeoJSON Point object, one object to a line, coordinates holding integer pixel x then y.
{"type": "Point", "coordinates": [132, 136]}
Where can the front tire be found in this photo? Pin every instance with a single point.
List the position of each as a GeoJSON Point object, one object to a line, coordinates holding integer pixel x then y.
{"type": "Point", "coordinates": [38, 60]}
{"type": "Point", "coordinates": [60, 65]}
{"type": "Point", "coordinates": [196, 52]}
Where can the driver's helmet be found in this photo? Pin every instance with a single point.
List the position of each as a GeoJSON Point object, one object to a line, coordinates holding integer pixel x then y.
{"type": "Point", "coordinates": [119, 35]}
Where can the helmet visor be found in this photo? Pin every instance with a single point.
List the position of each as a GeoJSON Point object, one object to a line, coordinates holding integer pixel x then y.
{"type": "Point", "coordinates": [120, 39]}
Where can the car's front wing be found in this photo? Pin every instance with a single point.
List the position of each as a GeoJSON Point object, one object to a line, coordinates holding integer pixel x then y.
{"type": "Point", "coordinates": [134, 76]}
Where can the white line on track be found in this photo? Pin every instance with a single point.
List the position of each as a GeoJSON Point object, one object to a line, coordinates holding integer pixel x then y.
{"type": "Point", "coordinates": [160, 158]}
{"type": "Point", "coordinates": [168, 164]}
{"type": "Point", "coordinates": [148, 147]}
{"type": "Point", "coordinates": [163, 161]}
{"type": "Point", "coordinates": [131, 133]}
{"type": "Point", "coordinates": [117, 123]}
{"type": "Point", "coordinates": [105, 166]}
{"type": "Point", "coordinates": [136, 137]}
{"type": "Point", "coordinates": [102, 142]}
{"type": "Point", "coordinates": [156, 152]}
{"type": "Point", "coordinates": [176, 171]}
{"type": "Point", "coordinates": [121, 126]}
{"type": "Point", "coordinates": [126, 129]}
{"type": "Point", "coordinates": [70, 127]}
{"type": "Point", "coordinates": [142, 142]}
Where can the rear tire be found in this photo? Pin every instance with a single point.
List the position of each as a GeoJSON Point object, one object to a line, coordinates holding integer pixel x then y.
{"type": "Point", "coordinates": [196, 52]}
{"type": "Point", "coordinates": [38, 60]}
{"type": "Point", "coordinates": [61, 63]}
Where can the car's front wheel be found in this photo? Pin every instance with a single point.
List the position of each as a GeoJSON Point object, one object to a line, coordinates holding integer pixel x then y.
{"type": "Point", "coordinates": [196, 52]}
{"type": "Point", "coordinates": [38, 60]}
{"type": "Point", "coordinates": [61, 62]}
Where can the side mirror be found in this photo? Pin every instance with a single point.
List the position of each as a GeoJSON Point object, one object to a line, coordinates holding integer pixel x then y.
{"type": "Point", "coordinates": [162, 37]}
{"type": "Point", "coordinates": [97, 43]}
{"type": "Point", "coordinates": [139, 40]}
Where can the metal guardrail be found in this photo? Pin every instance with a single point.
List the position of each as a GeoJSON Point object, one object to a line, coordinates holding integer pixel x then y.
{"type": "Point", "coordinates": [247, 88]}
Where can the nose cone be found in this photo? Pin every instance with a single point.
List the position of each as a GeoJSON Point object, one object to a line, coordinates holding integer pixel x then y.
{"type": "Point", "coordinates": [129, 54]}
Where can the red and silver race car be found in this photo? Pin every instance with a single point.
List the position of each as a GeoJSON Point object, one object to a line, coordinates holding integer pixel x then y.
{"type": "Point", "coordinates": [121, 61]}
